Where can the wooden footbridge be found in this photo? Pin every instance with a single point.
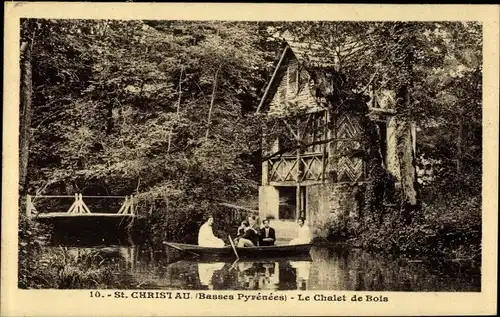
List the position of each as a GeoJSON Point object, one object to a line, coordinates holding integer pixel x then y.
{"type": "Point", "coordinates": [79, 208]}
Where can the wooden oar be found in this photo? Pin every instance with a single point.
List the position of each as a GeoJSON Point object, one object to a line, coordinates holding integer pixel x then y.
{"type": "Point", "coordinates": [234, 248]}
{"type": "Point", "coordinates": [233, 266]}
{"type": "Point", "coordinates": [181, 249]}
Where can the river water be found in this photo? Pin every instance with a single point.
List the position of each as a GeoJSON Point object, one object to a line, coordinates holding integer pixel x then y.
{"type": "Point", "coordinates": [327, 268]}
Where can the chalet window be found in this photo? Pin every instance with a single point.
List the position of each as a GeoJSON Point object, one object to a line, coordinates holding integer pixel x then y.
{"type": "Point", "coordinates": [314, 133]}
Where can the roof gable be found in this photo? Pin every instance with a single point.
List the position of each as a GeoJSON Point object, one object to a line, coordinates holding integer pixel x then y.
{"type": "Point", "coordinates": [316, 62]}
{"type": "Point", "coordinates": [278, 74]}
{"type": "Point", "coordinates": [290, 88]}
{"type": "Point", "coordinates": [307, 57]}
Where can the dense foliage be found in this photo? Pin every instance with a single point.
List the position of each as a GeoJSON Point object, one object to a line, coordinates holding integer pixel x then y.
{"type": "Point", "coordinates": [164, 110]}
{"type": "Point", "coordinates": [147, 107]}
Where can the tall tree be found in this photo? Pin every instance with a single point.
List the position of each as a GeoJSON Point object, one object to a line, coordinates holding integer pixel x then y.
{"type": "Point", "coordinates": [26, 89]}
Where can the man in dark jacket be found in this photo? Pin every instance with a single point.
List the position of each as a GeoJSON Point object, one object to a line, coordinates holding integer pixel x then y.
{"type": "Point", "coordinates": [250, 237]}
{"type": "Point", "coordinates": [267, 234]}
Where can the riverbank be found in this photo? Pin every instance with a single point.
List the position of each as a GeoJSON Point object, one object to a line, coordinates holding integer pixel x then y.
{"type": "Point", "coordinates": [448, 229]}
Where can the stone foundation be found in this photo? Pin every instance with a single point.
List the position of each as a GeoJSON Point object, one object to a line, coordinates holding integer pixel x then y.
{"type": "Point", "coordinates": [331, 202]}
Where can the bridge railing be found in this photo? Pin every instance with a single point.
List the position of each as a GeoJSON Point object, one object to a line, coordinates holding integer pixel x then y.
{"type": "Point", "coordinates": [79, 204]}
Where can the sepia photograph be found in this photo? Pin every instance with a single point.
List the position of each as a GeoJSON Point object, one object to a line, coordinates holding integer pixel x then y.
{"type": "Point", "coordinates": [243, 155]}
{"type": "Point", "coordinates": [163, 156]}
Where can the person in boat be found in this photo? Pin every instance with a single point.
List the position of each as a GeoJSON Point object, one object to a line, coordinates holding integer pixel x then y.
{"type": "Point", "coordinates": [241, 229]}
{"type": "Point", "coordinates": [252, 220]}
{"type": "Point", "coordinates": [267, 234]}
{"type": "Point", "coordinates": [206, 237]}
{"type": "Point", "coordinates": [304, 234]}
{"type": "Point", "coordinates": [250, 237]}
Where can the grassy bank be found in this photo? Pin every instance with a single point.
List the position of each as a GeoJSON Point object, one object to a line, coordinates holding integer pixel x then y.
{"type": "Point", "coordinates": [42, 267]}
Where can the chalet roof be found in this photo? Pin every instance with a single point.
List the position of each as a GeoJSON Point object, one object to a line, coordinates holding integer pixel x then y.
{"type": "Point", "coordinates": [321, 55]}
{"type": "Point", "coordinates": [308, 54]}
{"type": "Point", "coordinates": [313, 55]}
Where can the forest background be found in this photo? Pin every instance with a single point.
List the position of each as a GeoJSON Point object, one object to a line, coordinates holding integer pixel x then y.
{"type": "Point", "coordinates": [165, 110]}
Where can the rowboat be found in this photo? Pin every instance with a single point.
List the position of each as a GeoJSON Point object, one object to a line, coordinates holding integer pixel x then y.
{"type": "Point", "coordinates": [264, 251]}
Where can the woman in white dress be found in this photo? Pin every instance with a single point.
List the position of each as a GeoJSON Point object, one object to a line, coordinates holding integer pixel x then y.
{"type": "Point", "coordinates": [304, 234]}
{"type": "Point", "coordinates": [206, 236]}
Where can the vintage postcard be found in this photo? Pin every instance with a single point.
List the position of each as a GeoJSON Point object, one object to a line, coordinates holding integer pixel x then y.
{"type": "Point", "coordinates": [249, 159]}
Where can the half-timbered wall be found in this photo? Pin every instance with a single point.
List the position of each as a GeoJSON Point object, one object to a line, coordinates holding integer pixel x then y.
{"type": "Point", "coordinates": [333, 153]}
{"type": "Point", "coordinates": [305, 158]}
{"type": "Point", "coordinates": [344, 165]}
{"type": "Point", "coordinates": [315, 162]}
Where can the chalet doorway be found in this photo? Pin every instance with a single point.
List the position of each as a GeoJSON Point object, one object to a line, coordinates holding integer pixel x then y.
{"type": "Point", "coordinates": [292, 205]}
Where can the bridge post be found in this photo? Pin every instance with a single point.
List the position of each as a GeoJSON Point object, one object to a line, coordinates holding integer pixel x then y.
{"type": "Point", "coordinates": [82, 205]}
{"type": "Point", "coordinates": [124, 208]}
{"type": "Point", "coordinates": [73, 206]}
{"type": "Point", "coordinates": [77, 207]}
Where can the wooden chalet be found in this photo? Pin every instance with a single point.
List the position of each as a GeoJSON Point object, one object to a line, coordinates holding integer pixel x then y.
{"type": "Point", "coordinates": [310, 168]}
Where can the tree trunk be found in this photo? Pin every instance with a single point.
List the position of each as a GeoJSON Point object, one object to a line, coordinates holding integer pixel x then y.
{"type": "Point", "coordinates": [404, 34]}
{"type": "Point", "coordinates": [178, 109]}
{"type": "Point", "coordinates": [212, 101]}
{"type": "Point", "coordinates": [26, 114]}
{"type": "Point", "coordinates": [406, 156]}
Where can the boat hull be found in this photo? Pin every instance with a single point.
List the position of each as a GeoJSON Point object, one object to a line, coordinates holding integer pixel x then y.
{"type": "Point", "coordinates": [267, 251]}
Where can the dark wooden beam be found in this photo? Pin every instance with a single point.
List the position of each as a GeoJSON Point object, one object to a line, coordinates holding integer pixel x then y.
{"type": "Point", "coordinates": [272, 79]}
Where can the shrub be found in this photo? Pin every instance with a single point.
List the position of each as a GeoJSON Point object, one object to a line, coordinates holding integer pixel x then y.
{"type": "Point", "coordinates": [450, 227]}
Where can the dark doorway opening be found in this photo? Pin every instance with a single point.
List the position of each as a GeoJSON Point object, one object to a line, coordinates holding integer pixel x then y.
{"type": "Point", "coordinates": [288, 202]}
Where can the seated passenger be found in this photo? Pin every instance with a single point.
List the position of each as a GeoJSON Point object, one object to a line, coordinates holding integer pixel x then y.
{"type": "Point", "coordinates": [250, 238]}
{"type": "Point", "coordinates": [304, 235]}
{"type": "Point", "coordinates": [206, 237]}
{"type": "Point", "coordinates": [267, 234]}
{"type": "Point", "coordinates": [252, 220]}
{"type": "Point", "coordinates": [241, 231]}
{"type": "Point", "coordinates": [241, 228]}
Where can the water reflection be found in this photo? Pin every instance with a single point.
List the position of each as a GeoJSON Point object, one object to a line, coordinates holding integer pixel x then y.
{"type": "Point", "coordinates": [302, 270]}
{"type": "Point", "coordinates": [242, 275]}
{"type": "Point", "coordinates": [206, 272]}
{"type": "Point", "coordinates": [326, 269]}
{"type": "Point", "coordinates": [258, 275]}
